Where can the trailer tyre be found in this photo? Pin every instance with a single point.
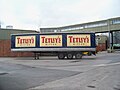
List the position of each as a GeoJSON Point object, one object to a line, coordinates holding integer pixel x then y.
{"type": "Point", "coordinates": [61, 56]}
{"type": "Point", "coordinates": [69, 56]}
{"type": "Point", "coordinates": [89, 53]}
{"type": "Point", "coordinates": [78, 55]}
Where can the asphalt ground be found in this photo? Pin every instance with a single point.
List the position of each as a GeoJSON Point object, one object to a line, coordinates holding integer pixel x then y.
{"type": "Point", "coordinates": [100, 72]}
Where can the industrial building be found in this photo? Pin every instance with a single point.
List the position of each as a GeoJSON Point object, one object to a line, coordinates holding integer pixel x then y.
{"type": "Point", "coordinates": [5, 42]}
{"type": "Point", "coordinates": [111, 26]}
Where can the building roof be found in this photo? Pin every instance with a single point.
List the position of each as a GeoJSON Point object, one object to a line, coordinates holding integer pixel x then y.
{"type": "Point", "coordinates": [5, 33]}
{"type": "Point", "coordinates": [95, 26]}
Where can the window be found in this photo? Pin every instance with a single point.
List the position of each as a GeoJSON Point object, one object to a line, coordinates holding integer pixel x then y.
{"type": "Point", "coordinates": [116, 21]}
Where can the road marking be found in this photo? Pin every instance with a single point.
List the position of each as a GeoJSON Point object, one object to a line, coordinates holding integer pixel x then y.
{"type": "Point", "coordinates": [104, 77]}
{"type": "Point", "coordinates": [102, 65]}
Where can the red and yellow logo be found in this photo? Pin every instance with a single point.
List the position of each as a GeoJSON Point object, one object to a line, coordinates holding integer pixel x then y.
{"type": "Point", "coordinates": [50, 40]}
{"type": "Point", "coordinates": [25, 41]}
{"type": "Point", "coordinates": [78, 40]}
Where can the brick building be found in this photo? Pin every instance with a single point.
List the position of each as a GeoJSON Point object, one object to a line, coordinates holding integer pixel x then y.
{"type": "Point", "coordinates": [101, 43]}
{"type": "Point", "coordinates": [5, 42]}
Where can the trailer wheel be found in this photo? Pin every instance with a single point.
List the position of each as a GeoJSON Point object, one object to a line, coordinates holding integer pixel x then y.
{"type": "Point", "coordinates": [89, 53]}
{"type": "Point", "coordinates": [61, 56]}
{"type": "Point", "coordinates": [69, 56]}
{"type": "Point", "coordinates": [78, 55]}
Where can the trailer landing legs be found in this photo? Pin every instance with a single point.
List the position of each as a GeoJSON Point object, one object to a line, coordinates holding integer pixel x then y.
{"type": "Point", "coordinates": [36, 55]}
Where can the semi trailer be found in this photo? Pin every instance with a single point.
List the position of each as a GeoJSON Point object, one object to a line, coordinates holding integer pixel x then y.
{"type": "Point", "coordinates": [64, 45]}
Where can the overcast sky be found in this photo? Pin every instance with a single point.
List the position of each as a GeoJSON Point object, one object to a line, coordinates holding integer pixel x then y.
{"type": "Point", "coordinates": [33, 14]}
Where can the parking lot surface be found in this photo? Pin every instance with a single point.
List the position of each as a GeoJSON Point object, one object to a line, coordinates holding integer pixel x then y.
{"type": "Point", "coordinates": [100, 72]}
